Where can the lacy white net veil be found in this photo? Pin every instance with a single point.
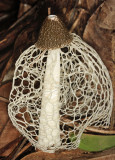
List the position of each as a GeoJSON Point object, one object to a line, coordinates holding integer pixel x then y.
{"type": "Point", "coordinates": [53, 101]}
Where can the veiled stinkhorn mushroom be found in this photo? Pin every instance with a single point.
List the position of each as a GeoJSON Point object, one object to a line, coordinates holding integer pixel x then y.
{"type": "Point", "coordinates": [60, 87]}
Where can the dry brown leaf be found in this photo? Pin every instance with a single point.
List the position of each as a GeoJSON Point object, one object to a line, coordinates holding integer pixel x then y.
{"type": "Point", "coordinates": [8, 133]}
{"type": "Point", "coordinates": [26, 38]}
{"type": "Point", "coordinates": [7, 5]}
{"type": "Point", "coordinates": [101, 40]}
{"type": "Point", "coordinates": [3, 115]}
{"type": "Point", "coordinates": [92, 4]}
{"type": "Point", "coordinates": [106, 15]}
{"type": "Point", "coordinates": [23, 8]}
{"type": "Point", "coordinates": [109, 157]}
{"type": "Point", "coordinates": [7, 67]}
{"type": "Point", "coordinates": [72, 155]}
{"type": "Point", "coordinates": [59, 155]}
{"type": "Point", "coordinates": [31, 2]}
{"type": "Point", "coordinates": [89, 5]}
{"type": "Point", "coordinates": [5, 89]}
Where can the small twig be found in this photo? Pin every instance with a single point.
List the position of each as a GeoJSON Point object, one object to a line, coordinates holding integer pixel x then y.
{"type": "Point", "coordinates": [49, 11]}
{"type": "Point", "coordinates": [20, 147]}
{"type": "Point", "coordinates": [4, 99]}
{"type": "Point", "coordinates": [76, 22]}
{"type": "Point", "coordinates": [4, 40]}
{"type": "Point", "coordinates": [102, 131]}
{"type": "Point", "coordinates": [13, 155]}
{"type": "Point", "coordinates": [6, 147]}
{"type": "Point", "coordinates": [23, 150]}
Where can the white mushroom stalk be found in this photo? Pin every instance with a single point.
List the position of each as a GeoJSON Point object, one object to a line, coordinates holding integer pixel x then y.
{"type": "Point", "coordinates": [49, 130]}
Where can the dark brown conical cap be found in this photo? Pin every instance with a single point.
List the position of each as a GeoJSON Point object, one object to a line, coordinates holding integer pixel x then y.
{"type": "Point", "coordinates": [53, 34]}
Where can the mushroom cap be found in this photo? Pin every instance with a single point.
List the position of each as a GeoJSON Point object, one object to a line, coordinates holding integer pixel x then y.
{"type": "Point", "coordinates": [53, 34]}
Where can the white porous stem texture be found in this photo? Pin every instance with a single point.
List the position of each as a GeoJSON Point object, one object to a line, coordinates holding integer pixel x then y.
{"type": "Point", "coordinates": [49, 132]}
